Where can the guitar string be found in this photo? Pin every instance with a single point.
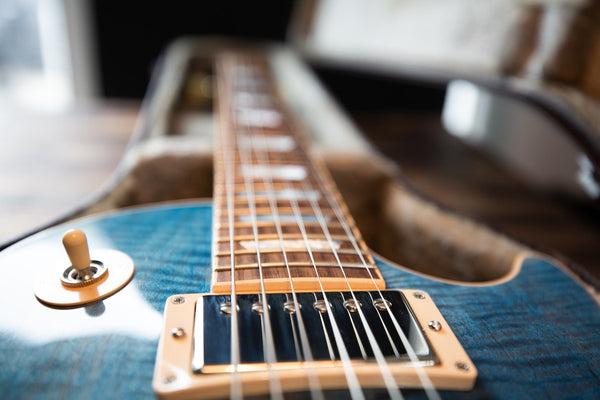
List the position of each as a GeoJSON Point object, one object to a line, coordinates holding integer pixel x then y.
{"type": "Point", "coordinates": [354, 386]}
{"type": "Point", "coordinates": [314, 384]}
{"type": "Point", "coordinates": [339, 262]}
{"type": "Point", "coordinates": [421, 373]}
{"type": "Point", "coordinates": [299, 353]}
{"type": "Point", "coordinates": [389, 380]}
{"type": "Point", "coordinates": [387, 376]}
{"type": "Point", "coordinates": [236, 385]}
{"type": "Point", "coordinates": [266, 328]}
{"type": "Point", "coordinates": [426, 382]}
{"type": "Point", "coordinates": [390, 383]}
{"type": "Point", "coordinates": [353, 383]}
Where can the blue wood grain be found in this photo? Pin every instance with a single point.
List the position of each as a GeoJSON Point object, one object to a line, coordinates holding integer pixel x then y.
{"type": "Point", "coordinates": [537, 336]}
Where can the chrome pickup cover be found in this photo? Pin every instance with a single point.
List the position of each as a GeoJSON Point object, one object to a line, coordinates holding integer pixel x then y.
{"type": "Point", "coordinates": [212, 330]}
{"type": "Point", "coordinates": [193, 354]}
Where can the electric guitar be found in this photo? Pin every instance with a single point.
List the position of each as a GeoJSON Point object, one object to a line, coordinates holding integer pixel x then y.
{"type": "Point", "coordinates": [270, 290]}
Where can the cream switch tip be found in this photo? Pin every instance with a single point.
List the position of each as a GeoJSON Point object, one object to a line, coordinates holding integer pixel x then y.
{"type": "Point", "coordinates": [76, 246]}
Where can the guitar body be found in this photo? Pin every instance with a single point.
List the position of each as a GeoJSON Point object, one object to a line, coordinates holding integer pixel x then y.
{"type": "Point", "coordinates": [534, 335]}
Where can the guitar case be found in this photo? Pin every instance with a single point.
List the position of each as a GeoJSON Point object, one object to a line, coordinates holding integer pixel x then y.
{"type": "Point", "coordinates": [170, 159]}
{"type": "Point", "coordinates": [170, 155]}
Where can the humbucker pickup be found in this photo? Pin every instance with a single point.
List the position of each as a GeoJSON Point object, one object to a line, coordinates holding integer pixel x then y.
{"type": "Point", "coordinates": [194, 356]}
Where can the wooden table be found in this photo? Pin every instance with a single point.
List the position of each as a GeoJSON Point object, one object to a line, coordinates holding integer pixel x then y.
{"type": "Point", "coordinates": [51, 162]}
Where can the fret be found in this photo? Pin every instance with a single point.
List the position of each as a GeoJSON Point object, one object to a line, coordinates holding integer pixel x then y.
{"type": "Point", "coordinates": [253, 99]}
{"type": "Point", "coordinates": [264, 202]}
{"type": "Point", "coordinates": [277, 184]}
{"type": "Point", "coordinates": [258, 118]}
{"type": "Point", "coordinates": [278, 158]}
{"type": "Point", "coordinates": [260, 186]}
{"type": "Point", "coordinates": [277, 250]}
{"type": "Point", "coordinates": [285, 213]}
{"type": "Point", "coordinates": [289, 224]}
{"type": "Point", "coordinates": [274, 236]}
{"type": "Point", "coordinates": [290, 243]}
{"type": "Point", "coordinates": [269, 144]}
{"type": "Point", "coordinates": [305, 279]}
{"type": "Point", "coordinates": [322, 265]}
{"type": "Point", "coordinates": [269, 228]}
{"type": "Point", "coordinates": [270, 159]}
{"type": "Point", "coordinates": [265, 258]}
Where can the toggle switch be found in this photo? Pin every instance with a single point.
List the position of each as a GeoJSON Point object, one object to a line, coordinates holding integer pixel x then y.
{"type": "Point", "coordinates": [83, 270]}
{"type": "Point", "coordinates": [76, 246]}
{"type": "Point", "coordinates": [89, 276]}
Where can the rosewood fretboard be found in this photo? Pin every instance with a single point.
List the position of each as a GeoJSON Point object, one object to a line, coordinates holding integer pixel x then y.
{"type": "Point", "coordinates": [276, 209]}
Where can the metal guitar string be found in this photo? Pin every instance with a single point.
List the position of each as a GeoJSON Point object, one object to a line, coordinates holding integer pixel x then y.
{"type": "Point", "coordinates": [388, 378]}
{"type": "Point", "coordinates": [267, 332]}
{"type": "Point", "coordinates": [428, 386]}
{"type": "Point", "coordinates": [353, 384]}
{"type": "Point", "coordinates": [421, 373]}
{"type": "Point", "coordinates": [236, 385]}
{"type": "Point", "coordinates": [314, 384]}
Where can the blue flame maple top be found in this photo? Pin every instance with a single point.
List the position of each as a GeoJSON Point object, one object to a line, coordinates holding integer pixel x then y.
{"type": "Point", "coordinates": [535, 336]}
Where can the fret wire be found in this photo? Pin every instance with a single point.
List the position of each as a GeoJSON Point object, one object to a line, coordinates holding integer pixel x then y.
{"type": "Point", "coordinates": [287, 250]}
{"type": "Point", "coordinates": [292, 236]}
{"type": "Point", "coordinates": [299, 264]}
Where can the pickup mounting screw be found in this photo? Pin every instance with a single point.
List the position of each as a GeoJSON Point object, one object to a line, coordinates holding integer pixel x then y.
{"type": "Point", "coordinates": [435, 325]}
{"type": "Point", "coordinates": [258, 307]}
{"type": "Point", "coordinates": [419, 295]}
{"type": "Point", "coordinates": [352, 305]}
{"type": "Point", "coordinates": [169, 379]}
{"type": "Point", "coordinates": [320, 306]}
{"type": "Point", "coordinates": [290, 307]}
{"type": "Point", "coordinates": [462, 366]}
{"type": "Point", "coordinates": [178, 300]}
{"type": "Point", "coordinates": [177, 333]}
{"type": "Point", "coordinates": [382, 304]}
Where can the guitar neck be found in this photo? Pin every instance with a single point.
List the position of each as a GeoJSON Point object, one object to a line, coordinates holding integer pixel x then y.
{"type": "Point", "coordinates": [279, 221]}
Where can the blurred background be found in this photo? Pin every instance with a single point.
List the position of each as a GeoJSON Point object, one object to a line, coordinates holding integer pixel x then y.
{"type": "Point", "coordinates": [490, 108]}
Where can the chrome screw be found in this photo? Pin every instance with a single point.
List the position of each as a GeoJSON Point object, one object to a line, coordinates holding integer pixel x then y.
{"type": "Point", "coordinates": [435, 325]}
{"type": "Point", "coordinates": [225, 308]}
{"type": "Point", "coordinates": [351, 305]}
{"type": "Point", "coordinates": [419, 295]}
{"type": "Point", "coordinates": [169, 379]}
{"type": "Point", "coordinates": [320, 306]}
{"type": "Point", "coordinates": [380, 304]}
{"type": "Point", "coordinates": [177, 333]}
{"type": "Point", "coordinates": [462, 366]}
{"type": "Point", "coordinates": [178, 300]}
{"type": "Point", "coordinates": [258, 307]}
{"type": "Point", "coordinates": [290, 307]}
